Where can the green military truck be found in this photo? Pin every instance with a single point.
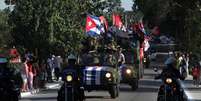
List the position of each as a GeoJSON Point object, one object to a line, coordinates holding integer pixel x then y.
{"type": "Point", "coordinates": [99, 73]}
{"type": "Point", "coordinates": [133, 69]}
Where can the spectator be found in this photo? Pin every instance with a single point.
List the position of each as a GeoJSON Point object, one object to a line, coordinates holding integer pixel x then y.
{"type": "Point", "coordinates": [49, 69]}
{"type": "Point", "coordinates": [43, 74]}
{"type": "Point", "coordinates": [196, 75]}
{"type": "Point", "coordinates": [36, 70]}
{"type": "Point", "coordinates": [24, 74]}
{"type": "Point", "coordinates": [31, 73]}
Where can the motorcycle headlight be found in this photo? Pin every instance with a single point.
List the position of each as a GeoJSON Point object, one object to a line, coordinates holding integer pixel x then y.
{"type": "Point", "coordinates": [128, 71]}
{"type": "Point", "coordinates": [69, 78]}
{"type": "Point", "coordinates": [108, 75]}
{"type": "Point", "coordinates": [168, 80]}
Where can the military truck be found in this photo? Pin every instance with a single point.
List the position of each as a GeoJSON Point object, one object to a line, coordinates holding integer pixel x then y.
{"type": "Point", "coordinates": [99, 73]}
{"type": "Point", "coordinates": [133, 69]}
{"type": "Point", "coordinates": [129, 71]}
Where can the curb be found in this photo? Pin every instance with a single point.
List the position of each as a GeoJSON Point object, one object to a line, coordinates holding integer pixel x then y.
{"type": "Point", "coordinates": [48, 86]}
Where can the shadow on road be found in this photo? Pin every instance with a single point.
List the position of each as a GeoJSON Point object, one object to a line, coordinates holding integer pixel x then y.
{"type": "Point", "coordinates": [49, 91]}
{"type": "Point", "coordinates": [39, 98]}
{"type": "Point", "coordinates": [147, 90]}
{"type": "Point", "coordinates": [155, 83]}
{"type": "Point", "coordinates": [98, 97]}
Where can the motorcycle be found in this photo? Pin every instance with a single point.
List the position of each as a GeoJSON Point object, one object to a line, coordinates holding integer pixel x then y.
{"type": "Point", "coordinates": [71, 89]}
{"type": "Point", "coordinates": [170, 90]}
{"type": "Point", "coordinates": [9, 90]}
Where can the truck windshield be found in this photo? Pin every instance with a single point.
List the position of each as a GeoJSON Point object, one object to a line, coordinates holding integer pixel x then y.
{"type": "Point", "coordinates": [98, 59]}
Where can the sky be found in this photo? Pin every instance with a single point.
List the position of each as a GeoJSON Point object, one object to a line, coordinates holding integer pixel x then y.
{"type": "Point", "coordinates": [126, 4]}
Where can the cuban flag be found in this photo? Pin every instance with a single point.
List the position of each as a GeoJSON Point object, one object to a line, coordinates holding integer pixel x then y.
{"type": "Point", "coordinates": [93, 26]}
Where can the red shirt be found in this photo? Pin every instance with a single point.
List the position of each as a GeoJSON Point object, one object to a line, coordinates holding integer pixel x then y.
{"type": "Point", "coordinates": [196, 72]}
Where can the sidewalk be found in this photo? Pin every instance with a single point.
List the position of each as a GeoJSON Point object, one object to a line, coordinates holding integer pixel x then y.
{"type": "Point", "coordinates": [193, 93]}
{"type": "Point", "coordinates": [54, 85]}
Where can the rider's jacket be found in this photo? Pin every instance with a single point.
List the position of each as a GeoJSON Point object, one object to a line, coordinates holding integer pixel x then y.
{"type": "Point", "coordinates": [72, 68]}
{"type": "Point", "coordinates": [170, 69]}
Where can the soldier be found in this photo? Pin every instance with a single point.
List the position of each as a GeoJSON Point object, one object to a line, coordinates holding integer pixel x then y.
{"type": "Point", "coordinates": [120, 57]}
{"type": "Point", "coordinates": [109, 58]}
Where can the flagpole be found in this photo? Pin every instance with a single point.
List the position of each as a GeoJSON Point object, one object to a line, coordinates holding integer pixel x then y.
{"type": "Point", "coordinates": [126, 22]}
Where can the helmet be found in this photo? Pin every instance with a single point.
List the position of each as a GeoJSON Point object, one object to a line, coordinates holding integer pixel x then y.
{"type": "Point", "coordinates": [170, 60]}
{"type": "Point", "coordinates": [71, 57]}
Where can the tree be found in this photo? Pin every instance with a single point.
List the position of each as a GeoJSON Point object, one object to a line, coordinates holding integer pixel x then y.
{"type": "Point", "coordinates": [5, 37]}
{"type": "Point", "coordinates": [45, 25]}
{"type": "Point", "coordinates": [179, 18]}
{"type": "Point", "coordinates": [31, 21]}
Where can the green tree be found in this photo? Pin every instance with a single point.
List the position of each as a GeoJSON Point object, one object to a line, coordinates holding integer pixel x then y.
{"type": "Point", "coordinates": [179, 18]}
{"type": "Point", "coordinates": [5, 37]}
{"type": "Point", "coordinates": [53, 25]}
{"type": "Point", "coordinates": [31, 25]}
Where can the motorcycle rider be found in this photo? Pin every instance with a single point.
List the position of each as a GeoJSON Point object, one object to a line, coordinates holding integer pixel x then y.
{"type": "Point", "coordinates": [171, 68]}
{"type": "Point", "coordinates": [73, 66]}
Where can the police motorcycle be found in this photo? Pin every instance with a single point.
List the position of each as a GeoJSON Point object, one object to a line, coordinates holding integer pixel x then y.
{"type": "Point", "coordinates": [170, 90]}
{"type": "Point", "coordinates": [9, 90]}
{"type": "Point", "coordinates": [71, 89]}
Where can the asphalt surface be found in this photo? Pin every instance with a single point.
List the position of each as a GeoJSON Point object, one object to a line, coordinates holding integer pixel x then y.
{"type": "Point", "coordinates": [147, 91]}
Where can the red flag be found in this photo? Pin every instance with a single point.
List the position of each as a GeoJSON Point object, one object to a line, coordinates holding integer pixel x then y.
{"type": "Point", "coordinates": [104, 21]}
{"type": "Point", "coordinates": [139, 27]}
{"type": "Point", "coordinates": [117, 21]}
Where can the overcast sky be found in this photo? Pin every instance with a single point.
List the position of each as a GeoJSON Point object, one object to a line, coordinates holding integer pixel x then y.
{"type": "Point", "coordinates": [127, 4]}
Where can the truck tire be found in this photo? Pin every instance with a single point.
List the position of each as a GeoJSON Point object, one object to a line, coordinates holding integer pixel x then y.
{"type": "Point", "coordinates": [114, 91]}
{"type": "Point", "coordinates": [134, 84]}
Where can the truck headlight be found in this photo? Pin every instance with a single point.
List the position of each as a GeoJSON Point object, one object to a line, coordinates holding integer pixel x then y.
{"type": "Point", "coordinates": [145, 60]}
{"type": "Point", "coordinates": [108, 75]}
{"type": "Point", "coordinates": [128, 71]}
{"type": "Point", "coordinates": [69, 78]}
{"type": "Point", "coordinates": [168, 80]}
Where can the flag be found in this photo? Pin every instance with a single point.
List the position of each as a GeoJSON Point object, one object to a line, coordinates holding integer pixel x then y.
{"type": "Point", "coordinates": [139, 27]}
{"type": "Point", "coordinates": [93, 26]}
{"type": "Point", "coordinates": [104, 22]}
{"type": "Point", "coordinates": [117, 21]}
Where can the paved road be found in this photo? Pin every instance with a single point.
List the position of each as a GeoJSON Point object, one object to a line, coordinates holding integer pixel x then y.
{"type": "Point", "coordinates": [146, 92]}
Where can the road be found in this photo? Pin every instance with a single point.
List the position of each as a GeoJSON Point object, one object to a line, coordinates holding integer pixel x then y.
{"type": "Point", "coordinates": [147, 91]}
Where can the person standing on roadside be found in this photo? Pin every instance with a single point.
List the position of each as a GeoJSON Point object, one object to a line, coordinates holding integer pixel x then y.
{"type": "Point", "coordinates": [31, 73]}
{"type": "Point", "coordinates": [196, 74]}
{"type": "Point", "coordinates": [24, 74]}
{"type": "Point", "coordinates": [49, 69]}
{"type": "Point", "coordinates": [187, 63]}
